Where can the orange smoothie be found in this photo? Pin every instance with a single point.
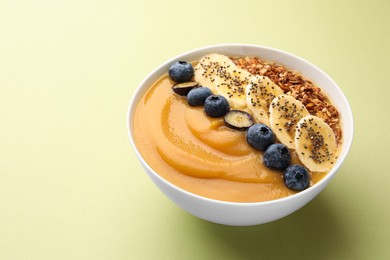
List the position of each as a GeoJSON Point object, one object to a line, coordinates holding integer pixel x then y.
{"type": "Point", "coordinates": [200, 154]}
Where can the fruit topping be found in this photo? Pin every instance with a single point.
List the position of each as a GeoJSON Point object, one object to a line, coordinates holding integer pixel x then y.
{"type": "Point", "coordinates": [238, 120]}
{"type": "Point", "coordinates": [260, 136]}
{"type": "Point", "coordinates": [296, 177]}
{"type": "Point", "coordinates": [260, 91]}
{"type": "Point", "coordinates": [285, 112]}
{"type": "Point", "coordinates": [216, 106]}
{"type": "Point", "coordinates": [182, 89]}
{"type": "Point", "coordinates": [224, 78]}
{"type": "Point", "coordinates": [315, 144]}
{"type": "Point", "coordinates": [181, 71]}
{"type": "Point", "coordinates": [197, 96]}
{"type": "Point", "coordinates": [277, 156]}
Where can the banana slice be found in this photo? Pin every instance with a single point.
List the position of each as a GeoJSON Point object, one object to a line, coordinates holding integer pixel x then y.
{"type": "Point", "coordinates": [259, 93]}
{"type": "Point", "coordinates": [223, 77]}
{"type": "Point", "coordinates": [205, 70]}
{"type": "Point", "coordinates": [315, 144]}
{"type": "Point", "coordinates": [285, 112]}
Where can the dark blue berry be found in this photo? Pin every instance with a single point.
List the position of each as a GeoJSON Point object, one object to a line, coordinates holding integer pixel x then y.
{"type": "Point", "coordinates": [238, 120]}
{"type": "Point", "coordinates": [182, 89]}
{"type": "Point", "coordinates": [216, 106]}
{"type": "Point", "coordinates": [197, 96]}
{"type": "Point", "coordinates": [260, 136]}
{"type": "Point", "coordinates": [277, 156]}
{"type": "Point", "coordinates": [296, 177]}
{"type": "Point", "coordinates": [181, 71]}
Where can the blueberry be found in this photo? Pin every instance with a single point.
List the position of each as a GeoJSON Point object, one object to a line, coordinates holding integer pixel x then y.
{"type": "Point", "coordinates": [296, 177]}
{"type": "Point", "coordinates": [181, 71]}
{"type": "Point", "coordinates": [260, 136]}
{"type": "Point", "coordinates": [277, 156]}
{"type": "Point", "coordinates": [216, 106]}
{"type": "Point", "coordinates": [238, 120]}
{"type": "Point", "coordinates": [197, 96]}
{"type": "Point", "coordinates": [182, 89]}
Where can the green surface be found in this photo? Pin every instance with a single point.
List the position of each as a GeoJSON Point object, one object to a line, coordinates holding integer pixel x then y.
{"type": "Point", "coordinates": [70, 185]}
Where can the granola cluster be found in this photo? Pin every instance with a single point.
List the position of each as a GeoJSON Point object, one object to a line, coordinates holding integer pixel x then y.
{"type": "Point", "coordinates": [294, 84]}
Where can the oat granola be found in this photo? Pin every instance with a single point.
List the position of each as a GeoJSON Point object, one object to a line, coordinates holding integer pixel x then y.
{"type": "Point", "coordinates": [294, 84]}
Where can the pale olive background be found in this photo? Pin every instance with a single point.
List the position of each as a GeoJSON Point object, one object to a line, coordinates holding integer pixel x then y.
{"type": "Point", "coordinates": [70, 184]}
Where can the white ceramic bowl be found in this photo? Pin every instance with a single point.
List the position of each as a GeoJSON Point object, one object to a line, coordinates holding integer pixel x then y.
{"type": "Point", "coordinates": [244, 214]}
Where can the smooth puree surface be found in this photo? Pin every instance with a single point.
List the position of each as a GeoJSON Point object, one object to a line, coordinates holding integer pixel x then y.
{"type": "Point", "coordinates": [200, 154]}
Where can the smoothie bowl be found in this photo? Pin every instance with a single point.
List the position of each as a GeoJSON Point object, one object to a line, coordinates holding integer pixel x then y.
{"type": "Point", "coordinates": [239, 134]}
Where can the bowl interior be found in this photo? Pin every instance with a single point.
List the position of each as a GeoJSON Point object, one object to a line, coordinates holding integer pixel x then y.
{"type": "Point", "coordinates": [291, 61]}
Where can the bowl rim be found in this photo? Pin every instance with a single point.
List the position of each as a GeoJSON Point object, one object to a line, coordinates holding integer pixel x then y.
{"type": "Point", "coordinates": [347, 140]}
